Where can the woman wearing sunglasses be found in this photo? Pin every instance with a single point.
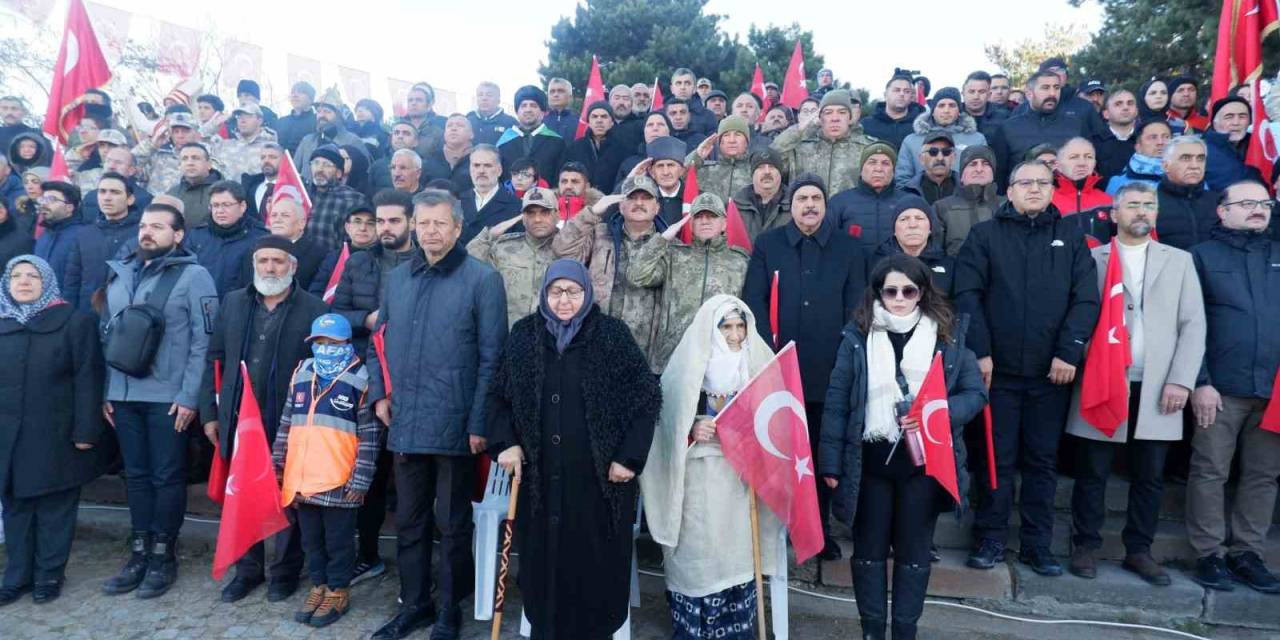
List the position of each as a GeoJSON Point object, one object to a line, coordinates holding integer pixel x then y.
{"type": "Point", "coordinates": [865, 456]}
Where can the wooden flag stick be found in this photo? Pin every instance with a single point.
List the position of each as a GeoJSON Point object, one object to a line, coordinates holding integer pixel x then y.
{"type": "Point", "coordinates": [505, 563]}
{"type": "Point", "coordinates": [755, 556]}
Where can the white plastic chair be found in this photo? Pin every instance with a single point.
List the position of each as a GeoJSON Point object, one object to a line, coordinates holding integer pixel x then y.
{"type": "Point", "coordinates": [488, 515]}
{"type": "Point", "coordinates": [623, 632]}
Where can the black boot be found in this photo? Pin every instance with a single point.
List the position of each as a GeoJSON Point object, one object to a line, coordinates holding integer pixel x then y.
{"type": "Point", "coordinates": [162, 568]}
{"type": "Point", "coordinates": [871, 588]}
{"type": "Point", "coordinates": [130, 576]}
{"type": "Point", "coordinates": [910, 583]}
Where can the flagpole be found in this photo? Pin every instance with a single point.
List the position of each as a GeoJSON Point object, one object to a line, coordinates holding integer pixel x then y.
{"type": "Point", "coordinates": [504, 563]}
{"type": "Point", "coordinates": [755, 556]}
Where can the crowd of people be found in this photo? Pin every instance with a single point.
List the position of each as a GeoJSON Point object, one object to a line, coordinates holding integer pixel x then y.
{"type": "Point", "coordinates": [486, 283]}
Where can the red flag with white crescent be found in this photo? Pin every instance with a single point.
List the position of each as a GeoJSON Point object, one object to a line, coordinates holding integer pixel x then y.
{"type": "Point", "coordinates": [934, 415]}
{"type": "Point", "coordinates": [595, 93]}
{"type": "Point", "coordinates": [656, 103]}
{"type": "Point", "coordinates": [288, 185]}
{"type": "Point", "coordinates": [1104, 389]}
{"type": "Point", "coordinates": [794, 90]}
{"type": "Point", "coordinates": [251, 511]}
{"type": "Point", "coordinates": [1242, 27]}
{"type": "Point", "coordinates": [764, 435]}
{"type": "Point", "coordinates": [331, 287]}
{"type": "Point", "coordinates": [757, 89]}
{"type": "Point", "coordinates": [80, 67]}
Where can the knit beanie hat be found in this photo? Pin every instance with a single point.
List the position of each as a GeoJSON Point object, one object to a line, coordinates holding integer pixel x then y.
{"type": "Point", "coordinates": [601, 105]}
{"type": "Point", "coordinates": [877, 147]}
{"type": "Point", "coordinates": [947, 93]}
{"type": "Point", "coordinates": [766, 156]}
{"type": "Point", "coordinates": [974, 152]}
{"type": "Point", "coordinates": [1222, 102]}
{"type": "Point", "coordinates": [329, 152]}
{"type": "Point", "coordinates": [807, 180]}
{"type": "Point", "coordinates": [734, 123]}
{"type": "Point", "coordinates": [837, 98]}
{"type": "Point", "coordinates": [250, 87]}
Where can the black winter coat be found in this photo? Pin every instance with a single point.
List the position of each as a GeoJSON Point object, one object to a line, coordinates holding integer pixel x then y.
{"type": "Point", "coordinates": [227, 253]}
{"type": "Point", "coordinates": [602, 161]}
{"type": "Point", "coordinates": [50, 398]}
{"type": "Point", "coordinates": [1240, 276]}
{"type": "Point", "coordinates": [1187, 213]}
{"type": "Point", "coordinates": [501, 207]}
{"type": "Point", "coordinates": [436, 167]}
{"type": "Point", "coordinates": [844, 416]}
{"type": "Point", "coordinates": [56, 243]}
{"type": "Point", "coordinates": [291, 129]}
{"type": "Point", "coordinates": [310, 254]}
{"type": "Point", "coordinates": [229, 344]}
{"type": "Point", "coordinates": [544, 150]}
{"type": "Point", "coordinates": [991, 119]}
{"type": "Point", "coordinates": [574, 415]}
{"type": "Point", "coordinates": [13, 240]}
{"type": "Point", "coordinates": [865, 214]}
{"type": "Point", "coordinates": [90, 212]}
{"type": "Point", "coordinates": [487, 130]}
{"type": "Point", "coordinates": [360, 292]}
{"type": "Point", "coordinates": [882, 126]}
{"type": "Point", "coordinates": [87, 264]}
{"type": "Point", "coordinates": [1029, 286]}
{"type": "Point", "coordinates": [820, 282]}
{"type": "Point", "coordinates": [1113, 153]}
{"type": "Point", "coordinates": [941, 265]}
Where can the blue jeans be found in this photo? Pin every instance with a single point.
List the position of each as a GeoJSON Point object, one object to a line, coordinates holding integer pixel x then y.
{"type": "Point", "coordinates": [155, 465]}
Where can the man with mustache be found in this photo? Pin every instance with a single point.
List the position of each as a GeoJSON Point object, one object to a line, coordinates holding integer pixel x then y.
{"type": "Point", "coordinates": [1234, 387]}
{"type": "Point", "coordinates": [330, 129]}
{"type": "Point", "coordinates": [1042, 122]}
{"type": "Point", "coordinates": [821, 274]}
{"type": "Point", "coordinates": [937, 157]}
{"type": "Point", "coordinates": [266, 324]}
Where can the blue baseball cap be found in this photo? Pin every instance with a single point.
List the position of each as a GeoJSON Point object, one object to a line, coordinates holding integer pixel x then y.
{"type": "Point", "coordinates": [332, 326]}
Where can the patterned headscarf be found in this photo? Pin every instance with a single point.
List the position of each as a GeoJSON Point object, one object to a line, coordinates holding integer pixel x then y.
{"type": "Point", "coordinates": [49, 294]}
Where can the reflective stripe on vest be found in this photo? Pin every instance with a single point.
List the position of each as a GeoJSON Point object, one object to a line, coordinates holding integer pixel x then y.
{"type": "Point", "coordinates": [322, 435]}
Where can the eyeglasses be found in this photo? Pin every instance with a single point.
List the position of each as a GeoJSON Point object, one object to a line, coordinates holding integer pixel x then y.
{"type": "Point", "coordinates": [1027, 183]}
{"type": "Point", "coordinates": [909, 292]}
{"type": "Point", "coordinates": [1250, 205]}
{"type": "Point", "coordinates": [572, 293]}
{"type": "Point", "coordinates": [936, 151]}
{"type": "Point", "coordinates": [49, 198]}
{"type": "Point", "coordinates": [1141, 206]}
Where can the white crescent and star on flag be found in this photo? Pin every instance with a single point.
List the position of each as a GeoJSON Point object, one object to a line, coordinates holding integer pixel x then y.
{"type": "Point", "coordinates": [73, 54]}
{"type": "Point", "coordinates": [929, 409]}
{"type": "Point", "coordinates": [772, 404]}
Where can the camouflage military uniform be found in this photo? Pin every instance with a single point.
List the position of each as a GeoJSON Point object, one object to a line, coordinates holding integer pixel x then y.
{"type": "Point", "coordinates": [589, 241]}
{"type": "Point", "coordinates": [159, 166]}
{"type": "Point", "coordinates": [237, 156]}
{"type": "Point", "coordinates": [522, 261]}
{"type": "Point", "coordinates": [837, 162]}
{"type": "Point", "coordinates": [688, 275]}
{"type": "Point", "coordinates": [722, 177]}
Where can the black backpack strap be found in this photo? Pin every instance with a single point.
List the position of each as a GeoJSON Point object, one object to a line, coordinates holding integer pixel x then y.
{"type": "Point", "coordinates": [159, 296]}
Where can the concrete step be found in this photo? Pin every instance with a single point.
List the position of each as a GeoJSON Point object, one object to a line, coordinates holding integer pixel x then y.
{"type": "Point", "coordinates": [950, 578]}
{"type": "Point", "coordinates": [1114, 588]}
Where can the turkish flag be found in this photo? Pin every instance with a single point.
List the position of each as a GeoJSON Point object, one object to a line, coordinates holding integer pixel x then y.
{"type": "Point", "coordinates": [1104, 391]}
{"type": "Point", "coordinates": [1271, 417]}
{"type": "Point", "coordinates": [252, 511]}
{"type": "Point", "coordinates": [380, 347]}
{"type": "Point", "coordinates": [1238, 60]}
{"type": "Point", "coordinates": [331, 288]}
{"type": "Point", "coordinates": [288, 185]}
{"type": "Point", "coordinates": [794, 90]}
{"type": "Point", "coordinates": [765, 436]}
{"type": "Point", "coordinates": [934, 414]}
{"type": "Point", "coordinates": [656, 103]}
{"type": "Point", "coordinates": [757, 89]}
{"type": "Point", "coordinates": [217, 486]}
{"type": "Point", "coordinates": [80, 67]}
{"type": "Point", "coordinates": [595, 93]}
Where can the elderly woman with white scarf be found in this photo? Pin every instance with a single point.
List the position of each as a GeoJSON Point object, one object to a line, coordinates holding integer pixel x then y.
{"type": "Point", "coordinates": [886, 353]}
{"type": "Point", "coordinates": [696, 505]}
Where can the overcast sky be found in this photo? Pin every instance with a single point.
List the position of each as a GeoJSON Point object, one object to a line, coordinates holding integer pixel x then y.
{"type": "Point", "coordinates": [454, 44]}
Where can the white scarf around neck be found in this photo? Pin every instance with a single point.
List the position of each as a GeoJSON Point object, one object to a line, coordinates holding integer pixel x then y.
{"type": "Point", "coordinates": [883, 391]}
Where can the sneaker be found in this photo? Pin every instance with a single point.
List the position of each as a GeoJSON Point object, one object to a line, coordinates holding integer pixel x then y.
{"type": "Point", "coordinates": [335, 605]}
{"type": "Point", "coordinates": [315, 598]}
{"type": "Point", "coordinates": [1083, 564]}
{"type": "Point", "coordinates": [1211, 573]}
{"type": "Point", "coordinates": [1248, 568]}
{"type": "Point", "coordinates": [1147, 568]}
{"type": "Point", "coordinates": [368, 570]}
{"type": "Point", "coordinates": [1041, 561]}
{"type": "Point", "coordinates": [988, 554]}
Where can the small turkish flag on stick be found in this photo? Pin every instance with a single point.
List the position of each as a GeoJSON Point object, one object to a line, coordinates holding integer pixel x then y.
{"type": "Point", "coordinates": [1104, 389]}
{"type": "Point", "coordinates": [934, 415]}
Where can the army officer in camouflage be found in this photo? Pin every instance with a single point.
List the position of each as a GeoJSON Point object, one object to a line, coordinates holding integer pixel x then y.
{"type": "Point", "coordinates": [689, 274]}
{"type": "Point", "coordinates": [521, 256]}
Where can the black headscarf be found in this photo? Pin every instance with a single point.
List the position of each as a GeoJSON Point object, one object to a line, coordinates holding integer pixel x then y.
{"type": "Point", "coordinates": [1145, 112]}
{"type": "Point", "coordinates": [563, 330]}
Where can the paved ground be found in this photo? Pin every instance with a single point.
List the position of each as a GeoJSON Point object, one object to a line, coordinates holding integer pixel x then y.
{"type": "Point", "coordinates": [192, 608]}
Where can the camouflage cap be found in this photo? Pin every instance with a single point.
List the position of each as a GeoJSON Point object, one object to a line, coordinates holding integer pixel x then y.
{"type": "Point", "coordinates": [538, 197]}
{"type": "Point", "coordinates": [640, 183]}
{"type": "Point", "coordinates": [182, 119]}
{"type": "Point", "coordinates": [112, 136]}
{"type": "Point", "coordinates": [707, 202]}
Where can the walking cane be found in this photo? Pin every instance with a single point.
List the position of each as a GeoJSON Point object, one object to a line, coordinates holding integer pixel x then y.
{"type": "Point", "coordinates": [505, 563]}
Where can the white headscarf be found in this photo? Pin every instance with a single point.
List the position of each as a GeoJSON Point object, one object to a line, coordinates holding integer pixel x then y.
{"type": "Point", "coordinates": [726, 369]}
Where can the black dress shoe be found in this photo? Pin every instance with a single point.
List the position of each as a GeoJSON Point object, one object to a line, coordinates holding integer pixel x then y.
{"type": "Point", "coordinates": [449, 627]}
{"type": "Point", "coordinates": [1211, 573]}
{"type": "Point", "coordinates": [988, 554]}
{"type": "Point", "coordinates": [1041, 561]}
{"type": "Point", "coordinates": [46, 592]}
{"type": "Point", "coordinates": [10, 595]}
{"type": "Point", "coordinates": [830, 551]}
{"type": "Point", "coordinates": [405, 623]}
{"type": "Point", "coordinates": [281, 590]}
{"type": "Point", "coordinates": [239, 587]}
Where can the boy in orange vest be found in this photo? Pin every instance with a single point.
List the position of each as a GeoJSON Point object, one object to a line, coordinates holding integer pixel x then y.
{"type": "Point", "coordinates": [325, 452]}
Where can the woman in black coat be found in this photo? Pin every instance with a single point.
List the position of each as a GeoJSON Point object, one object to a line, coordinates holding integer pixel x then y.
{"type": "Point", "coordinates": [572, 408]}
{"type": "Point", "coordinates": [50, 419]}
{"type": "Point", "coordinates": [865, 451]}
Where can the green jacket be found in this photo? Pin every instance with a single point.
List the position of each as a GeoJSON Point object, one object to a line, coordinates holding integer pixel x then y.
{"type": "Point", "coordinates": [722, 176]}
{"type": "Point", "coordinates": [837, 162]}
{"type": "Point", "coordinates": [522, 261]}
